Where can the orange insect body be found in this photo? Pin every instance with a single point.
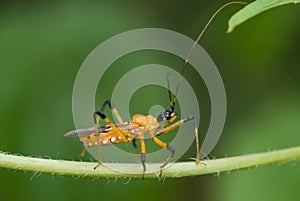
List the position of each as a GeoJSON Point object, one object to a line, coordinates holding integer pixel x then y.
{"type": "Point", "coordinates": [136, 129]}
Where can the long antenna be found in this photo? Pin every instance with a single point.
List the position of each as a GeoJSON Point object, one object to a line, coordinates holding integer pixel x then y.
{"type": "Point", "coordinates": [195, 43]}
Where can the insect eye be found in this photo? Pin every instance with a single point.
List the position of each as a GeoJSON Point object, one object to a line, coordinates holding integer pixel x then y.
{"type": "Point", "coordinates": [168, 114]}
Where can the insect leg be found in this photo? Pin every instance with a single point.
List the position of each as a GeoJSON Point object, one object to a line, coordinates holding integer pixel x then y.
{"type": "Point", "coordinates": [96, 120]}
{"type": "Point", "coordinates": [97, 114]}
{"type": "Point", "coordinates": [118, 117]}
{"type": "Point", "coordinates": [169, 121]}
{"type": "Point", "coordinates": [108, 122]}
{"type": "Point", "coordinates": [83, 152]}
{"type": "Point", "coordinates": [143, 156]}
{"type": "Point", "coordinates": [113, 109]}
{"type": "Point", "coordinates": [99, 159]}
{"type": "Point", "coordinates": [135, 146]}
{"type": "Point", "coordinates": [179, 123]}
{"type": "Point", "coordinates": [167, 146]}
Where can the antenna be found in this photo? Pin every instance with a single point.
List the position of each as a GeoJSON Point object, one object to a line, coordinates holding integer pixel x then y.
{"type": "Point", "coordinates": [195, 43]}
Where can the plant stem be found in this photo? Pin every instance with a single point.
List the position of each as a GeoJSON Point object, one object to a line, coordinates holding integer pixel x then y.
{"type": "Point", "coordinates": [180, 169]}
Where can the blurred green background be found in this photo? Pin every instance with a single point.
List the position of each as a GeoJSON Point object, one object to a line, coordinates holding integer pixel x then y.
{"type": "Point", "coordinates": [43, 44]}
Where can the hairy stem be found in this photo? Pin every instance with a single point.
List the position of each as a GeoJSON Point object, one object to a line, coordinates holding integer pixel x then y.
{"type": "Point", "coordinates": [180, 169]}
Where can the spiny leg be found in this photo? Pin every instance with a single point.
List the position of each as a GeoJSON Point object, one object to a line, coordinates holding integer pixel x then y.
{"type": "Point", "coordinates": [143, 156]}
{"type": "Point", "coordinates": [113, 109]}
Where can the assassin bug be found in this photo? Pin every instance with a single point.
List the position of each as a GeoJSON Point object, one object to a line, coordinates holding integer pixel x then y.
{"type": "Point", "coordinates": [140, 125]}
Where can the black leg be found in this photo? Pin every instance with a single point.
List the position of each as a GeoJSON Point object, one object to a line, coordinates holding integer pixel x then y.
{"type": "Point", "coordinates": [113, 109]}
{"type": "Point", "coordinates": [109, 103]}
{"type": "Point", "coordinates": [143, 160]}
{"type": "Point", "coordinates": [135, 146]}
{"type": "Point", "coordinates": [172, 150]}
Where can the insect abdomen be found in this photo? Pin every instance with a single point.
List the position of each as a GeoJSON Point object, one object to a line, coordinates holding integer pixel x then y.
{"type": "Point", "coordinates": [101, 140]}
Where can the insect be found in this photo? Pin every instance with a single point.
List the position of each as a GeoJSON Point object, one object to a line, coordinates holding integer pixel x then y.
{"type": "Point", "coordinates": [136, 129]}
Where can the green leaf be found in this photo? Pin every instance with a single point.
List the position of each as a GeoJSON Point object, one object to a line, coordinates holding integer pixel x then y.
{"type": "Point", "coordinates": [253, 9]}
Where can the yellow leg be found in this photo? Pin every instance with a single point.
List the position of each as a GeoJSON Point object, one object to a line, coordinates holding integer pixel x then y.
{"type": "Point", "coordinates": [96, 120]}
{"type": "Point", "coordinates": [115, 129]}
{"type": "Point", "coordinates": [99, 158]}
{"type": "Point", "coordinates": [117, 115]}
{"type": "Point", "coordinates": [170, 121]}
{"type": "Point", "coordinates": [143, 156]}
{"type": "Point", "coordinates": [179, 123]}
{"type": "Point", "coordinates": [169, 128]}
{"type": "Point", "coordinates": [113, 109]}
{"type": "Point", "coordinates": [108, 122]}
{"type": "Point", "coordinates": [82, 153]}
{"type": "Point", "coordinates": [164, 145]}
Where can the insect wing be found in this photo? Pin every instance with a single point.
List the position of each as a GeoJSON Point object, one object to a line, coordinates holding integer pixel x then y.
{"type": "Point", "coordinates": [79, 132]}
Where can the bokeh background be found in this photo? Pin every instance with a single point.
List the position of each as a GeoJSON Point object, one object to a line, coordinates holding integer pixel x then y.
{"type": "Point", "coordinates": [43, 44]}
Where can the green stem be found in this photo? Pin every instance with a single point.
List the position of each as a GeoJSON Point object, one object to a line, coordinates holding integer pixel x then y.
{"type": "Point", "coordinates": [180, 169]}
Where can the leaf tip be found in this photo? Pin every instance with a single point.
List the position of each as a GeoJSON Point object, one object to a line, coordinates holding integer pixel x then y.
{"type": "Point", "coordinates": [229, 29]}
